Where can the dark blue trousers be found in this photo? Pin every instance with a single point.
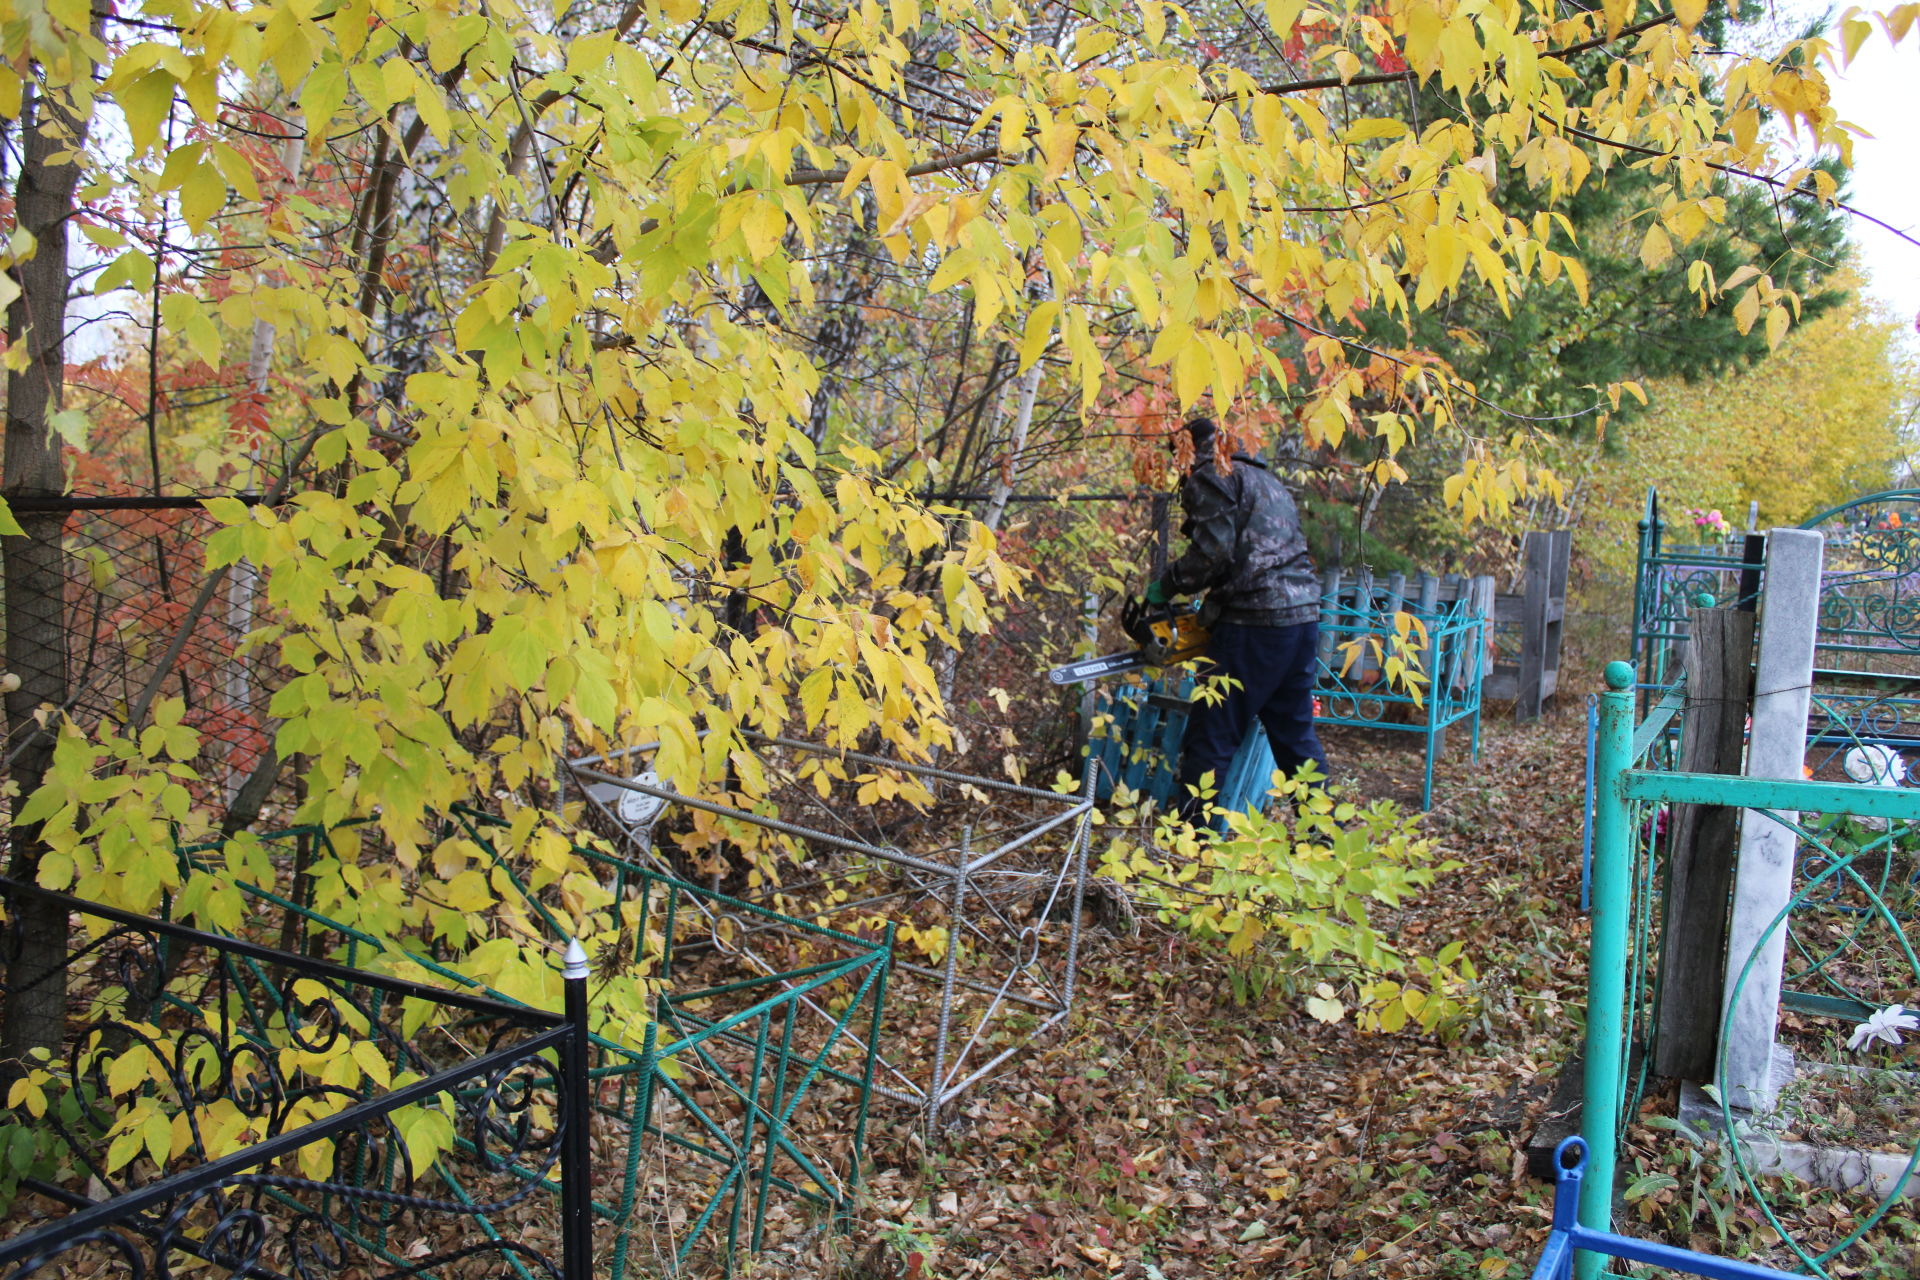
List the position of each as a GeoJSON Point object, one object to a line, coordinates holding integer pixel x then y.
{"type": "Point", "coordinates": [1275, 667]}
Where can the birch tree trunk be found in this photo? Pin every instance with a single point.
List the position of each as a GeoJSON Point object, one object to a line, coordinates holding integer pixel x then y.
{"type": "Point", "coordinates": [997, 502]}
{"type": "Point", "coordinates": [243, 587]}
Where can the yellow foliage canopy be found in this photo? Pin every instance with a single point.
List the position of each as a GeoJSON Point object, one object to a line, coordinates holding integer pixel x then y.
{"type": "Point", "coordinates": [532, 279]}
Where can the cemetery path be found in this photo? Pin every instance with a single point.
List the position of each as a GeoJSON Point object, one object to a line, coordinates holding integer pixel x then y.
{"type": "Point", "coordinates": [1178, 1132]}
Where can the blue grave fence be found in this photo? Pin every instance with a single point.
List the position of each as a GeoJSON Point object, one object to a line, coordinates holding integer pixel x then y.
{"type": "Point", "coordinates": [1568, 1238]}
{"type": "Point", "coordinates": [1439, 627]}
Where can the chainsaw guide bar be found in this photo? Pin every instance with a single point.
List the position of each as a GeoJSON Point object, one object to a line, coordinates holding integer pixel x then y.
{"type": "Point", "coordinates": [1114, 664]}
{"type": "Point", "coordinates": [1167, 636]}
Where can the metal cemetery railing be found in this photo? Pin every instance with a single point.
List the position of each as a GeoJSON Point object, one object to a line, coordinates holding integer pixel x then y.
{"type": "Point", "coordinates": [1668, 580]}
{"type": "Point", "coordinates": [1870, 589]}
{"type": "Point", "coordinates": [1869, 596]}
{"type": "Point", "coordinates": [999, 891]}
{"type": "Point", "coordinates": [1802, 973]}
{"type": "Point", "coordinates": [732, 1052]}
{"type": "Point", "coordinates": [701, 1114]}
{"type": "Point", "coordinates": [1136, 729]}
{"type": "Point", "coordinates": [1451, 658]}
{"type": "Point", "coordinates": [265, 1113]}
{"type": "Point", "coordinates": [1568, 1239]}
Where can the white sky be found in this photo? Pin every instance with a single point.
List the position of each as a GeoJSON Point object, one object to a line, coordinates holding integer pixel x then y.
{"type": "Point", "coordinates": [1881, 94]}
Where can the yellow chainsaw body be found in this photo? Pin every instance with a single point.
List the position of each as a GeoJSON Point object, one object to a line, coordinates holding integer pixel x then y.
{"type": "Point", "coordinates": [1176, 640]}
{"type": "Point", "coordinates": [1169, 636]}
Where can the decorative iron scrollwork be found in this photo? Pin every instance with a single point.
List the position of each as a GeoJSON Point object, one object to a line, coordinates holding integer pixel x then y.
{"type": "Point", "coordinates": [201, 1033]}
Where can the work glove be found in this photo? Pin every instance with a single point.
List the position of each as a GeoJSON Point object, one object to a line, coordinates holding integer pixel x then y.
{"type": "Point", "coordinates": [1157, 592]}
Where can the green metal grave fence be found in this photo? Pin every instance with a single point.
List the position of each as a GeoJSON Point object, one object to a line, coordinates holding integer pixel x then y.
{"type": "Point", "coordinates": [1869, 597]}
{"type": "Point", "coordinates": [1845, 935]}
{"type": "Point", "coordinates": [702, 1116]}
{"type": "Point", "coordinates": [1451, 655]}
{"type": "Point", "coordinates": [1669, 578]}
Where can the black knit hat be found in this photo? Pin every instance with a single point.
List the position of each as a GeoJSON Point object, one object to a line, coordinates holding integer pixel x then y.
{"type": "Point", "coordinates": [1201, 431]}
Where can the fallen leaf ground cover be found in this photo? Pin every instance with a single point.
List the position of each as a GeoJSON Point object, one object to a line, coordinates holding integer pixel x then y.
{"type": "Point", "coordinates": [1196, 1121]}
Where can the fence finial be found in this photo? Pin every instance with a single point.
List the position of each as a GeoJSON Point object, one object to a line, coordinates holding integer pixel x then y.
{"type": "Point", "coordinates": [575, 965]}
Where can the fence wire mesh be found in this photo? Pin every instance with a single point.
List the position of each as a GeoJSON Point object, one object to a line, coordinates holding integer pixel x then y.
{"type": "Point", "coordinates": [133, 625]}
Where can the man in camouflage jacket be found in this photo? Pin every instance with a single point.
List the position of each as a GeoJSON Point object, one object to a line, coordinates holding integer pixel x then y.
{"type": "Point", "coordinates": [1246, 553]}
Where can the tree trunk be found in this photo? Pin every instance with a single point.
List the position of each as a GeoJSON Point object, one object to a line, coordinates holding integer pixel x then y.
{"type": "Point", "coordinates": [1016, 445]}
{"type": "Point", "coordinates": [34, 563]}
{"type": "Point", "coordinates": [996, 504]}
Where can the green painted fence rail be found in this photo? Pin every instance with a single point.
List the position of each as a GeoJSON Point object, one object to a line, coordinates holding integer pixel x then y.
{"type": "Point", "coordinates": [720, 1072]}
{"type": "Point", "coordinates": [1852, 899]}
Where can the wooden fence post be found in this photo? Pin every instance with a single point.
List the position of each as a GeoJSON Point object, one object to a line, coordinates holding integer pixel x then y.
{"type": "Point", "coordinates": [1702, 840]}
{"type": "Point", "coordinates": [1540, 608]}
{"type": "Point", "coordinates": [1545, 593]}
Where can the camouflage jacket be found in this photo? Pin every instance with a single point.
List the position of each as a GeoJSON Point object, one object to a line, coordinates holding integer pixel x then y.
{"type": "Point", "coordinates": [1245, 549]}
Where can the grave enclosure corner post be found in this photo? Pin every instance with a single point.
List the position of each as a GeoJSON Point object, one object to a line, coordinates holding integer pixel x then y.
{"type": "Point", "coordinates": [1776, 748]}
{"type": "Point", "coordinates": [1607, 973]}
{"type": "Point", "coordinates": [576, 1152]}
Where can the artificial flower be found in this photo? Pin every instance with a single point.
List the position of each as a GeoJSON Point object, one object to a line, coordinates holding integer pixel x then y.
{"type": "Point", "coordinates": [1884, 1025]}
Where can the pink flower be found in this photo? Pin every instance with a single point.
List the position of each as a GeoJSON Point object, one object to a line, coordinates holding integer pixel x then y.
{"type": "Point", "coordinates": [1708, 521]}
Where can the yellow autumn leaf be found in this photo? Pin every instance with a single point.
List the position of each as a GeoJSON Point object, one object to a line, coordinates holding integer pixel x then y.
{"type": "Point", "coordinates": [1778, 320]}
{"type": "Point", "coordinates": [1655, 248]}
{"type": "Point", "coordinates": [763, 225]}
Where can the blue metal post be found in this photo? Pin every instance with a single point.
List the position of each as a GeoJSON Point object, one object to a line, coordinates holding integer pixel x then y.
{"type": "Point", "coordinates": [1607, 974]}
{"type": "Point", "coordinates": [1571, 1243]}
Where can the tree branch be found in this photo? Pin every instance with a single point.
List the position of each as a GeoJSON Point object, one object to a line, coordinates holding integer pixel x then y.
{"type": "Point", "coordinates": [1410, 76]}
{"type": "Point", "coordinates": [1805, 192]}
{"type": "Point", "coordinates": [939, 164]}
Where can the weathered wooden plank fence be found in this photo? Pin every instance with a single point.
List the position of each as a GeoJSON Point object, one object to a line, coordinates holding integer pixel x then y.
{"type": "Point", "coordinates": [1527, 670]}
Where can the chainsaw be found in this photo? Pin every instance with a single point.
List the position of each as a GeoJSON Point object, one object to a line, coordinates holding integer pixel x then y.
{"type": "Point", "coordinates": [1166, 633]}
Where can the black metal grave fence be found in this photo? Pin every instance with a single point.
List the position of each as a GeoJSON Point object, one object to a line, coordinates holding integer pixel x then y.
{"type": "Point", "coordinates": [226, 1106]}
